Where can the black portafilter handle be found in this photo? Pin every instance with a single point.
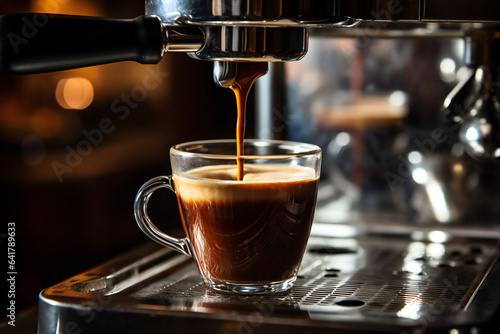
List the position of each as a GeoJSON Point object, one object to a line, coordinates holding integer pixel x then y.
{"type": "Point", "coordinates": [36, 42]}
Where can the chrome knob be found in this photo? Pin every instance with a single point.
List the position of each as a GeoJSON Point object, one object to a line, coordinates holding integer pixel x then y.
{"type": "Point", "coordinates": [480, 132]}
{"type": "Point", "coordinates": [473, 104]}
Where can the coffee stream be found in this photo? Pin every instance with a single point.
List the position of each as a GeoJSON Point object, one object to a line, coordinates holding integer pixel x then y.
{"type": "Point", "coordinates": [247, 73]}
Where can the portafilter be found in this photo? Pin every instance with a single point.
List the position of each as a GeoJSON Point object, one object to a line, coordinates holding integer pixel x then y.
{"type": "Point", "coordinates": [254, 30]}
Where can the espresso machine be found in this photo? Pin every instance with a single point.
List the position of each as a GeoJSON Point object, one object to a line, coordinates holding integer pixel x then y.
{"type": "Point", "coordinates": [406, 232]}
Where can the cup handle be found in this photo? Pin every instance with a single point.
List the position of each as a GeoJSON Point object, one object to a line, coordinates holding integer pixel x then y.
{"type": "Point", "coordinates": [147, 226]}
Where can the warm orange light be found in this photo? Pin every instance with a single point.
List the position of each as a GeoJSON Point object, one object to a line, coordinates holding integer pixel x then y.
{"type": "Point", "coordinates": [74, 93]}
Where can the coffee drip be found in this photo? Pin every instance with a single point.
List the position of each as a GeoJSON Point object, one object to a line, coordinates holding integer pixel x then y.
{"type": "Point", "coordinates": [239, 77]}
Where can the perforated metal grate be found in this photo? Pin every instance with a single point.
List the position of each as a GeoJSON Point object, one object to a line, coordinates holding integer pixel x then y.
{"type": "Point", "coordinates": [382, 285]}
{"type": "Point", "coordinates": [399, 279]}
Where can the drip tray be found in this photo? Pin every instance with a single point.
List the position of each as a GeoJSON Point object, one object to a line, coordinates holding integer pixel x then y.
{"type": "Point", "coordinates": [368, 284]}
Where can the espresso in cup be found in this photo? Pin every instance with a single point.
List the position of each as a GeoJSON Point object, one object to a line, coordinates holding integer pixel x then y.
{"type": "Point", "coordinates": [246, 205]}
{"type": "Point", "coordinates": [253, 230]}
{"type": "Point", "coordinates": [248, 235]}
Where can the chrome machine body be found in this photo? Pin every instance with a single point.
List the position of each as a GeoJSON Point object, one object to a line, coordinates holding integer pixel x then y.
{"type": "Point", "coordinates": [278, 30]}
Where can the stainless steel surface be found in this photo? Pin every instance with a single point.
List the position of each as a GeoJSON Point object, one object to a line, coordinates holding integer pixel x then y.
{"type": "Point", "coordinates": [249, 13]}
{"type": "Point", "coordinates": [225, 73]}
{"type": "Point", "coordinates": [270, 95]}
{"type": "Point", "coordinates": [345, 285]}
{"type": "Point", "coordinates": [264, 30]}
{"type": "Point", "coordinates": [244, 43]}
{"type": "Point", "coordinates": [318, 13]}
{"type": "Point", "coordinates": [480, 131]}
{"type": "Point", "coordinates": [182, 39]}
{"type": "Point", "coordinates": [473, 104]}
{"type": "Point", "coordinates": [278, 31]}
{"type": "Point", "coordinates": [248, 30]}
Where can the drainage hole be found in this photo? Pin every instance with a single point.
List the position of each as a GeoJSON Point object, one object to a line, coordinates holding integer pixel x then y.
{"type": "Point", "coordinates": [472, 260]}
{"type": "Point", "coordinates": [476, 250]}
{"type": "Point", "coordinates": [331, 250]}
{"type": "Point", "coordinates": [332, 270]}
{"type": "Point", "coordinates": [331, 275]}
{"type": "Point", "coordinates": [455, 253]}
{"type": "Point", "coordinates": [350, 303]}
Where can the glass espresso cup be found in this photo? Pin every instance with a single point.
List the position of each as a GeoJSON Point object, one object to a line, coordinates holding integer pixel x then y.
{"type": "Point", "coordinates": [248, 235]}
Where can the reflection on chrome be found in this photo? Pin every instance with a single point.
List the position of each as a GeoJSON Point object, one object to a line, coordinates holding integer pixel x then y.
{"type": "Point", "coordinates": [437, 200]}
{"type": "Point", "coordinates": [423, 174]}
{"type": "Point", "coordinates": [416, 250]}
{"type": "Point", "coordinates": [343, 139]}
{"type": "Point", "coordinates": [438, 236]}
{"type": "Point", "coordinates": [412, 308]}
{"type": "Point", "coordinates": [418, 255]}
{"type": "Point", "coordinates": [420, 175]}
{"type": "Point", "coordinates": [448, 69]}
{"type": "Point", "coordinates": [435, 250]}
{"type": "Point", "coordinates": [415, 157]}
{"type": "Point", "coordinates": [412, 266]}
{"type": "Point", "coordinates": [397, 98]}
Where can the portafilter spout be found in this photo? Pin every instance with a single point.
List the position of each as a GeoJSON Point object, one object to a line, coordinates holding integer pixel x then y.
{"type": "Point", "coordinates": [473, 105]}
{"type": "Point", "coordinates": [225, 73]}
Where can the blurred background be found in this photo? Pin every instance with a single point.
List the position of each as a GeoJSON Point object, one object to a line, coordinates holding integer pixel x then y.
{"type": "Point", "coordinates": [75, 146]}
